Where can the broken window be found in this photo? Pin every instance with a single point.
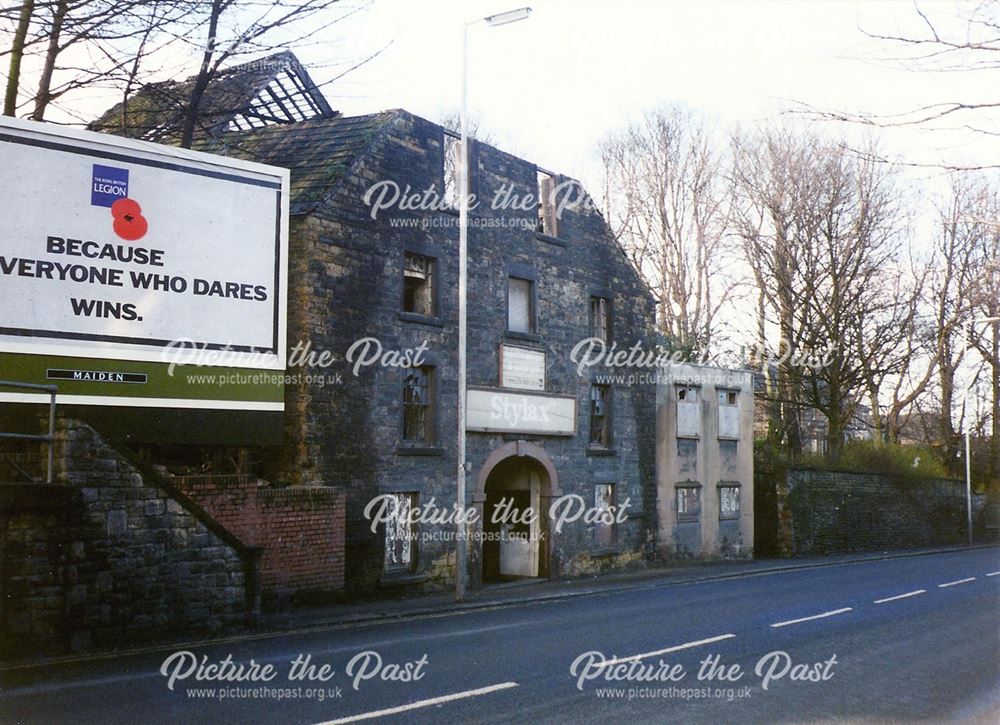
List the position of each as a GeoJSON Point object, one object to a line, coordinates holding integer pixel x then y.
{"type": "Point", "coordinates": [688, 412]}
{"type": "Point", "coordinates": [418, 284]}
{"type": "Point", "coordinates": [547, 223]}
{"type": "Point", "coordinates": [688, 503]}
{"type": "Point", "coordinates": [400, 533]}
{"type": "Point", "coordinates": [729, 501]}
{"type": "Point", "coordinates": [418, 405]}
{"type": "Point", "coordinates": [600, 318]}
{"type": "Point", "coordinates": [605, 526]}
{"type": "Point", "coordinates": [520, 305]}
{"type": "Point", "coordinates": [452, 152]}
{"type": "Point", "coordinates": [600, 415]}
{"type": "Point", "coordinates": [728, 397]}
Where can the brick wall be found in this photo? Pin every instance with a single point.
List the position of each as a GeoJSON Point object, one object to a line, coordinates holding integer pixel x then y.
{"type": "Point", "coordinates": [823, 512]}
{"type": "Point", "coordinates": [105, 557]}
{"type": "Point", "coordinates": [299, 529]}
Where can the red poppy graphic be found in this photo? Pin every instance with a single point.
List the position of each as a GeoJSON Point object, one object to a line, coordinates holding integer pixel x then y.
{"type": "Point", "coordinates": [129, 224]}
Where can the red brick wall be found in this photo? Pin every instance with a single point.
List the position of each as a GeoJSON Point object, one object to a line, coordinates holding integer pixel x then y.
{"type": "Point", "coordinates": [300, 529]}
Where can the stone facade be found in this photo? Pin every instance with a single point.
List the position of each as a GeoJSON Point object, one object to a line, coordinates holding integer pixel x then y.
{"type": "Point", "coordinates": [826, 512]}
{"type": "Point", "coordinates": [346, 283]}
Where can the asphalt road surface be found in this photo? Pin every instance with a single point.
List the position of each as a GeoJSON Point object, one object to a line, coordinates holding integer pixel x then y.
{"type": "Point", "coordinates": [899, 640]}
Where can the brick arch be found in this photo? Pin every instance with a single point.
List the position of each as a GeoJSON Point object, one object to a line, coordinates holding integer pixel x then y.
{"type": "Point", "coordinates": [518, 449]}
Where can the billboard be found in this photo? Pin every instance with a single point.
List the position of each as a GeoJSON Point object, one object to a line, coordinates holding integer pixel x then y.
{"type": "Point", "coordinates": [137, 274]}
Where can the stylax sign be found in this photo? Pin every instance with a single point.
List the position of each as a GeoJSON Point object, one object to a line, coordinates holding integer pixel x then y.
{"type": "Point", "coordinates": [503, 411]}
{"type": "Point", "coordinates": [113, 249]}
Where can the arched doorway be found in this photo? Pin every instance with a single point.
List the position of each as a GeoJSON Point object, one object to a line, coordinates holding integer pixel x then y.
{"type": "Point", "coordinates": [515, 489]}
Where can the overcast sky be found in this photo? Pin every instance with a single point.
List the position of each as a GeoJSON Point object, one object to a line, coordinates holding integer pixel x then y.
{"type": "Point", "coordinates": [550, 87]}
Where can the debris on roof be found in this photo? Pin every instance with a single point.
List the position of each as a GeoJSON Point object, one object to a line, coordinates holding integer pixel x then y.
{"type": "Point", "coordinates": [275, 90]}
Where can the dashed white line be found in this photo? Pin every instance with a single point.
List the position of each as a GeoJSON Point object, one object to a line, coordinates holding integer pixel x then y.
{"type": "Point", "coordinates": [422, 703]}
{"type": "Point", "coordinates": [994, 573]}
{"type": "Point", "coordinates": [675, 648]}
{"type": "Point", "coordinates": [901, 596]}
{"type": "Point", "coordinates": [815, 616]}
{"type": "Point", "coordinates": [960, 581]}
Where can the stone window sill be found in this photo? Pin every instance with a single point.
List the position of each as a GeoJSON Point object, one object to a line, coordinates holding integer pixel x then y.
{"type": "Point", "coordinates": [607, 551]}
{"type": "Point", "coordinates": [421, 319]}
{"type": "Point", "coordinates": [602, 452]}
{"type": "Point", "coordinates": [419, 451]}
{"type": "Point", "coordinates": [528, 336]}
{"type": "Point", "coordinates": [401, 579]}
{"type": "Point", "coordinates": [550, 240]}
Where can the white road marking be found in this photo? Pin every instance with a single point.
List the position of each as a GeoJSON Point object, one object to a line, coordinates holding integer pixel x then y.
{"type": "Point", "coordinates": [675, 648]}
{"type": "Point", "coordinates": [815, 616]}
{"type": "Point", "coordinates": [960, 581]}
{"type": "Point", "coordinates": [422, 703]}
{"type": "Point", "coordinates": [901, 596]}
{"type": "Point", "coordinates": [994, 573]}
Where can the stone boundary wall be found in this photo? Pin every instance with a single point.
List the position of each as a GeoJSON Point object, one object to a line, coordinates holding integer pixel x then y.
{"type": "Point", "coordinates": [826, 512]}
{"type": "Point", "coordinates": [106, 557]}
{"type": "Point", "coordinates": [300, 530]}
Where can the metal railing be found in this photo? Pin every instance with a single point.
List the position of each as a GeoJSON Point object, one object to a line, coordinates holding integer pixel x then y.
{"type": "Point", "coordinates": [49, 439]}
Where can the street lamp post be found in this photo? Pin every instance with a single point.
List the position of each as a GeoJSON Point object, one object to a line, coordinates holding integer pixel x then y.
{"type": "Point", "coordinates": [512, 16]}
{"type": "Point", "coordinates": [968, 430]}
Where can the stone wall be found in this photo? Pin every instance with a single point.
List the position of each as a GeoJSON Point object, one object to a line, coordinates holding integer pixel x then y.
{"type": "Point", "coordinates": [825, 512]}
{"type": "Point", "coordinates": [300, 530]}
{"type": "Point", "coordinates": [106, 557]}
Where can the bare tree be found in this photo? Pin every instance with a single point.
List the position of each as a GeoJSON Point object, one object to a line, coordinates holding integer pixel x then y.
{"type": "Point", "coordinates": [984, 298]}
{"type": "Point", "coordinates": [821, 229]}
{"type": "Point", "coordinates": [896, 347]}
{"type": "Point", "coordinates": [666, 197]}
{"type": "Point", "coordinates": [958, 259]}
{"type": "Point", "coordinates": [952, 38]}
{"type": "Point", "coordinates": [47, 29]}
{"type": "Point", "coordinates": [18, 44]}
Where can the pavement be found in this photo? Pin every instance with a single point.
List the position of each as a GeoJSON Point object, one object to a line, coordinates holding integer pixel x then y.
{"type": "Point", "coordinates": [510, 594]}
{"type": "Point", "coordinates": [906, 637]}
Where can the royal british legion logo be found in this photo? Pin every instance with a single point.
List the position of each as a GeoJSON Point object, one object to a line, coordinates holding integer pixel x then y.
{"type": "Point", "coordinates": [109, 184]}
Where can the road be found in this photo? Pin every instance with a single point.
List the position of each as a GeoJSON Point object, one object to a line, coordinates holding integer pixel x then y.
{"type": "Point", "coordinates": [908, 639]}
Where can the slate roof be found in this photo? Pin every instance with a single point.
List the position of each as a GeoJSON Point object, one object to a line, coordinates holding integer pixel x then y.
{"type": "Point", "coordinates": [318, 151]}
{"type": "Point", "coordinates": [275, 89]}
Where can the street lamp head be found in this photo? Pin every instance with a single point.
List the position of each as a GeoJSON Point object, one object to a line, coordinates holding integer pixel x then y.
{"type": "Point", "coordinates": [511, 16]}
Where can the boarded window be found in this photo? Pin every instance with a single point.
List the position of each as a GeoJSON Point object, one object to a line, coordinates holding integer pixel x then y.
{"type": "Point", "coordinates": [729, 414]}
{"type": "Point", "coordinates": [418, 405]}
{"type": "Point", "coordinates": [547, 222]}
{"type": "Point", "coordinates": [400, 533]}
{"type": "Point", "coordinates": [418, 284]}
{"type": "Point", "coordinates": [520, 305]}
{"type": "Point", "coordinates": [605, 527]}
{"type": "Point", "coordinates": [600, 415]}
{"type": "Point", "coordinates": [688, 503]}
{"type": "Point", "coordinates": [600, 318]}
{"type": "Point", "coordinates": [729, 501]}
